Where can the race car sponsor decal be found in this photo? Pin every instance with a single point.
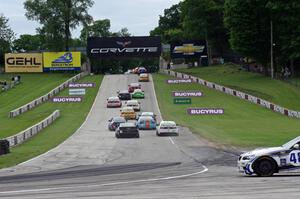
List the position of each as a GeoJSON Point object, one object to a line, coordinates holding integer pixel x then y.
{"type": "Point", "coordinates": [205, 111]}
{"type": "Point", "coordinates": [179, 81]}
{"type": "Point", "coordinates": [82, 85]}
{"type": "Point", "coordinates": [282, 162]}
{"type": "Point", "coordinates": [67, 99]}
{"type": "Point", "coordinates": [187, 94]}
{"type": "Point", "coordinates": [294, 158]}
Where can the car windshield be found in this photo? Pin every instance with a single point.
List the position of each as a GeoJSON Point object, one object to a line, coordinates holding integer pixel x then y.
{"type": "Point", "coordinates": [113, 101]}
{"type": "Point", "coordinates": [147, 114]}
{"type": "Point", "coordinates": [137, 90]}
{"type": "Point", "coordinates": [124, 92]}
{"type": "Point", "coordinates": [290, 143]}
{"type": "Point", "coordinates": [128, 128]}
{"type": "Point", "coordinates": [146, 118]}
{"type": "Point", "coordinates": [132, 103]}
{"type": "Point", "coordinates": [128, 109]}
{"type": "Point", "coordinates": [119, 119]}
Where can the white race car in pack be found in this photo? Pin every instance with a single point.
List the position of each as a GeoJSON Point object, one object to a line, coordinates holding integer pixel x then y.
{"type": "Point", "coordinates": [267, 161]}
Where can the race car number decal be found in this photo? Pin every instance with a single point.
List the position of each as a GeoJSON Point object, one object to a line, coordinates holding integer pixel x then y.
{"type": "Point", "coordinates": [294, 158]}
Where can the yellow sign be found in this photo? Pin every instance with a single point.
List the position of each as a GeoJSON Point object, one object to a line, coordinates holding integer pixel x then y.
{"type": "Point", "coordinates": [23, 63]}
{"type": "Point", "coordinates": [188, 49]}
{"type": "Point", "coordinates": [62, 61]}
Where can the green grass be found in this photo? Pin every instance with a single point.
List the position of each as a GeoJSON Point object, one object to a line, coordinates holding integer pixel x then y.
{"type": "Point", "coordinates": [32, 87]}
{"type": "Point", "coordinates": [294, 81]}
{"type": "Point", "coordinates": [244, 124]}
{"type": "Point", "coordinates": [72, 116]}
{"type": "Point", "coordinates": [276, 91]}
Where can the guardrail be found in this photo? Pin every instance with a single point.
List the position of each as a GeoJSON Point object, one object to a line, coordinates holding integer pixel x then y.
{"type": "Point", "coordinates": [46, 97]}
{"type": "Point", "coordinates": [33, 130]}
{"type": "Point", "coordinates": [239, 94]}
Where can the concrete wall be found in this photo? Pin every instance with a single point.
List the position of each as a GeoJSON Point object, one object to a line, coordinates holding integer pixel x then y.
{"type": "Point", "coordinates": [241, 95]}
{"type": "Point", "coordinates": [46, 97]}
{"type": "Point", "coordinates": [33, 130]}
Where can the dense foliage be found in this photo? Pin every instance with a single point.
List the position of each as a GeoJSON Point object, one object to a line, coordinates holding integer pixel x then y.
{"type": "Point", "coordinates": [242, 25]}
{"type": "Point", "coordinates": [6, 38]}
{"type": "Point", "coordinates": [58, 18]}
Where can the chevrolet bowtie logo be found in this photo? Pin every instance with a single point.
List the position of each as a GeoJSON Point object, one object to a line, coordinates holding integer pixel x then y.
{"type": "Point", "coordinates": [188, 49]}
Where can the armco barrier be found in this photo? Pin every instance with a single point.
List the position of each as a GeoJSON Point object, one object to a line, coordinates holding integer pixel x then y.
{"type": "Point", "coordinates": [44, 98]}
{"type": "Point", "coordinates": [33, 130]}
{"type": "Point", "coordinates": [239, 94]}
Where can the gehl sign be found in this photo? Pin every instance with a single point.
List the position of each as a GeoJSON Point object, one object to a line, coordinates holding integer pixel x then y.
{"type": "Point", "coordinates": [23, 62]}
{"type": "Point", "coordinates": [101, 47]}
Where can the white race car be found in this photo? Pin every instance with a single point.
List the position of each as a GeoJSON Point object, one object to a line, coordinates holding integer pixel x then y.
{"type": "Point", "coordinates": [167, 128]}
{"type": "Point", "coordinates": [267, 161]}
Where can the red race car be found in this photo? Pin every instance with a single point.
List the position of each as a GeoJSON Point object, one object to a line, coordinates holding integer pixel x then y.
{"type": "Point", "coordinates": [133, 86]}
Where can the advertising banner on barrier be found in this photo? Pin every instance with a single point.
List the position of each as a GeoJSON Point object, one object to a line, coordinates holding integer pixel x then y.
{"type": "Point", "coordinates": [55, 61]}
{"type": "Point", "coordinates": [179, 81]}
{"type": "Point", "coordinates": [67, 99]}
{"type": "Point", "coordinates": [23, 62]}
{"type": "Point", "coordinates": [187, 94]}
{"type": "Point", "coordinates": [205, 111]}
{"type": "Point", "coordinates": [100, 47]}
{"type": "Point", "coordinates": [82, 85]}
{"type": "Point", "coordinates": [188, 49]}
{"type": "Point", "coordinates": [77, 91]}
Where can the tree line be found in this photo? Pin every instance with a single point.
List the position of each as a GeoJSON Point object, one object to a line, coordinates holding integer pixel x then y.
{"type": "Point", "coordinates": [57, 19]}
{"type": "Point", "coordinates": [243, 26]}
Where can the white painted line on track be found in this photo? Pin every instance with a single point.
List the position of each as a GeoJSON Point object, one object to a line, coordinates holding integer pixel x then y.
{"type": "Point", "coordinates": [108, 184]}
{"type": "Point", "coordinates": [73, 133]}
{"type": "Point", "coordinates": [171, 140]}
{"type": "Point", "coordinates": [156, 101]}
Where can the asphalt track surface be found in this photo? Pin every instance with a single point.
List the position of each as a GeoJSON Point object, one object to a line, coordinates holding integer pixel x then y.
{"type": "Point", "coordinates": [94, 164]}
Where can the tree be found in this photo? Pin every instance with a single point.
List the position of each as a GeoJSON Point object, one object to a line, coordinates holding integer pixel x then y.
{"type": "Point", "coordinates": [27, 43]}
{"type": "Point", "coordinates": [58, 18]}
{"type": "Point", "coordinates": [285, 15]}
{"type": "Point", "coordinates": [123, 33]}
{"type": "Point", "coordinates": [249, 22]}
{"type": "Point", "coordinates": [249, 25]}
{"type": "Point", "coordinates": [6, 37]}
{"type": "Point", "coordinates": [98, 28]}
{"type": "Point", "coordinates": [203, 19]}
{"type": "Point", "coordinates": [169, 24]}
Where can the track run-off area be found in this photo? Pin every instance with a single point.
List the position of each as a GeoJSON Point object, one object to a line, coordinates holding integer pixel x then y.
{"type": "Point", "coordinates": [94, 164]}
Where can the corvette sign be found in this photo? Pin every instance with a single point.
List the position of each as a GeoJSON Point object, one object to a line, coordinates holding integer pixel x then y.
{"type": "Point", "coordinates": [123, 47]}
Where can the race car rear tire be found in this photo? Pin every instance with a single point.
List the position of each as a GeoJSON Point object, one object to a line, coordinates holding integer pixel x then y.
{"type": "Point", "coordinates": [265, 167]}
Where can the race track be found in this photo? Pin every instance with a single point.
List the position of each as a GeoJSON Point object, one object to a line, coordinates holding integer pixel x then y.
{"type": "Point", "coordinates": [94, 164]}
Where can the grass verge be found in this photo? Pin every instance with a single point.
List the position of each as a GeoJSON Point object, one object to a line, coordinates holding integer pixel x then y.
{"type": "Point", "coordinates": [243, 125]}
{"type": "Point", "coordinates": [276, 91]}
{"type": "Point", "coordinates": [32, 87]}
{"type": "Point", "coordinates": [72, 116]}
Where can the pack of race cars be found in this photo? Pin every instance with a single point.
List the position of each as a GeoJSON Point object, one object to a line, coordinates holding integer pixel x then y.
{"type": "Point", "coordinates": [261, 162]}
{"type": "Point", "coordinates": [131, 120]}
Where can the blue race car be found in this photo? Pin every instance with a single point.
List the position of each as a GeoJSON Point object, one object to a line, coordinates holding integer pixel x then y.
{"type": "Point", "coordinates": [146, 122]}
